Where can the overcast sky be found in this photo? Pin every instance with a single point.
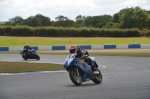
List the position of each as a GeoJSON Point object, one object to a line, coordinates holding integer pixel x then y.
{"type": "Point", "coordinates": [68, 8]}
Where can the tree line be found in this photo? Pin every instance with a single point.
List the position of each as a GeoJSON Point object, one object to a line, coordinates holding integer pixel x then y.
{"type": "Point", "coordinates": [128, 18]}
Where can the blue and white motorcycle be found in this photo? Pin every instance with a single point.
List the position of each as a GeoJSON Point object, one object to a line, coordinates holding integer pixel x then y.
{"type": "Point", "coordinates": [79, 71]}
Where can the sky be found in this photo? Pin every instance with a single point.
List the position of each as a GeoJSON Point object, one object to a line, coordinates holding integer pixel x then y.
{"type": "Point", "coordinates": [68, 8]}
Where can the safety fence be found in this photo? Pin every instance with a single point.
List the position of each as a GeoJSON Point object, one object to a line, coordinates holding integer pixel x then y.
{"type": "Point", "coordinates": [94, 47]}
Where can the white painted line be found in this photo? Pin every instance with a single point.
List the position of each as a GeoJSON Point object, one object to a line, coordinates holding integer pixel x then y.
{"type": "Point", "coordinates": [40, 72]}
{"type": "Point", "coordinates": [102, 66]}
{"type": "Point", "coordinates": [31, 61]}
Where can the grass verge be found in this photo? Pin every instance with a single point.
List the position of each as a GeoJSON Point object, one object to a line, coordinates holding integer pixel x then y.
{"type": "Point", "coordinates": [19, 67]}
{"type": "Point", "coordinates": [51, 41]}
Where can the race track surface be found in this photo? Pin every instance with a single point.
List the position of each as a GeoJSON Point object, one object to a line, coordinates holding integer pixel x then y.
{"type": "Point", "coordinates": [123, 78]}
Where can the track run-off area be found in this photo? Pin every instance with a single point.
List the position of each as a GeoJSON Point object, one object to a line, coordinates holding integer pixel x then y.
{"type": "Point", "coordinates": [123, 78]}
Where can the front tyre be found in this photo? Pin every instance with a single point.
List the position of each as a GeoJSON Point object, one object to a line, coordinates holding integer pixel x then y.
{"type": "Point", "coordinates": [24, 56]}
{"type": "Point", "coordinates": [97, 78]}
{"type": "Point", "coordinates": [75, 76]}
{"type": "Point", "coordinates": [37, 57]}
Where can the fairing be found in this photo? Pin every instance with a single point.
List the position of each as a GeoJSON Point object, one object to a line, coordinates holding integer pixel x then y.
{"type": "Point", "coordinates": [82, 66]}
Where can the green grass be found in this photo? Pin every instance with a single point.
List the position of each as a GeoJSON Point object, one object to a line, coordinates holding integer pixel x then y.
{"type": "Point", "coordinates": [49, 41]}
{"type": "Point", "coordinates": [18, 67]}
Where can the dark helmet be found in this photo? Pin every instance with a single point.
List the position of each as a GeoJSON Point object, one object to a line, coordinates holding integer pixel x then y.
{"type": "Point", "coordinates": [73, 49]}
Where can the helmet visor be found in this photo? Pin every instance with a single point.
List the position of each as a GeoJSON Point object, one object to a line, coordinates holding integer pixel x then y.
{"type": "Point", "coordinates": [72, 51]}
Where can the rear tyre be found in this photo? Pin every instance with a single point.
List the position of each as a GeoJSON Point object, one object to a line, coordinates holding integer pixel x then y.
{"type": "Point", "coordinates": [75, 77]}
{"type": "Point", "coordinates": [97, 78]}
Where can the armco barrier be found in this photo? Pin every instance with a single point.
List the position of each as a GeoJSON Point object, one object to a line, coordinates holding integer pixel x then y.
{"type": "Point", "coordinates": [122, 46]}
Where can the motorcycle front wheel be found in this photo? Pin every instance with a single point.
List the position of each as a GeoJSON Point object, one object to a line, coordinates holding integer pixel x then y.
{"type": "Point", "coordinates": [37, 57]}
{"type": "Point", "coordinates": [75, 76]}
{"type": "Point", "coordinates": [97, 78]}
{"type": "Point", "coordinates": [24, 57]}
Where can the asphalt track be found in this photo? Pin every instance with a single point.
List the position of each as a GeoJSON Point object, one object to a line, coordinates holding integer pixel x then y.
{"type": "Point", "coordinates": [123, 78]}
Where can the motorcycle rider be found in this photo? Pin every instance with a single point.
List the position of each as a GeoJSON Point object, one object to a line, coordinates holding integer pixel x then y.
{"type": "Point", "coordinates": [82, 54]}
{"type": "Point", "coordinates": [27, 49]}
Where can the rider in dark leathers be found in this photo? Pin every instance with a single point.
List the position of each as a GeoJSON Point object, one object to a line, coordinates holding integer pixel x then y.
{"type": "Point", "coordinates": [27, 49]}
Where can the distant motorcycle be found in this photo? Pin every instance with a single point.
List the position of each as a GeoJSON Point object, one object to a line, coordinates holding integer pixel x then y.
{"type": "Point", "coordinates": [80, 71]}
{"type": "Point", "coordinates": [31, 54]}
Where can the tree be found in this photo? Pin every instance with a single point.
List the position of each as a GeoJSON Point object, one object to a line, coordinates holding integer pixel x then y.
{"type": "Point", "coordinates": [116, 18]}
{"type": "Point", "coordinates": [62, 21]}
{"type": "Point", "coordinates": [131, 18]}
{"type": "Point", "coordinates": [97, 21]}
{"type": "Point", "coordinates": [79, 21]}
{"type": "Point", "coordinates": [140, 18]}
{"type": "Point", "coordinates": [80, 18]}
{"type": "Point", "coordinates": [61, 18]}
{"type": "Point", "coordinates": [16, 20]}
{"type": "Point", "coordinates": [148, 23]}
{"type": "Point", "coordinates": [38, 20]}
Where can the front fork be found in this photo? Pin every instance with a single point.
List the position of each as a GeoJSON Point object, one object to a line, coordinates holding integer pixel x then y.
{"type": "Point", "coordinates": [77, 71]}
{"type": "Point", "coordinates": [78, 75]}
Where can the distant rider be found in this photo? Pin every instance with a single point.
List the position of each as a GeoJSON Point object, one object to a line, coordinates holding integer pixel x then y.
{"type": "Point", "coordinates": [27, 49]}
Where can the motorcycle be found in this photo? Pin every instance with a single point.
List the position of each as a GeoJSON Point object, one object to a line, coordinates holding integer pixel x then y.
{"type": "Point", "coordinates": [79, 71]}
{"type": "Point", "coordinates": [31, 54]}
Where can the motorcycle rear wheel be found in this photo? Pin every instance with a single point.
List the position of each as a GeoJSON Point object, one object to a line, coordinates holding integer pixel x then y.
{"type": "Point", "coordinates": [97, 78]}
{"type": "Point", "coordinates": [77, 80]}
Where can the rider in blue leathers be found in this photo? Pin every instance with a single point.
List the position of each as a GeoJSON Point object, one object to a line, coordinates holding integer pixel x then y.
{"type": "Point", "coordinates": [82, 54]}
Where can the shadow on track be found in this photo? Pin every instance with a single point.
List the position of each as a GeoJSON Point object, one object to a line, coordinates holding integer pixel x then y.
{"type": "Point", "coordinates": [84, 85]}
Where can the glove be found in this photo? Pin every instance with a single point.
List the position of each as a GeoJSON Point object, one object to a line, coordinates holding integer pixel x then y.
{"type": "Point", "coordinates": [83, 56]}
